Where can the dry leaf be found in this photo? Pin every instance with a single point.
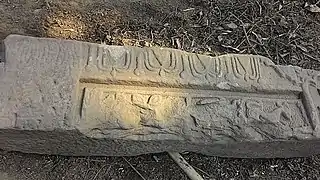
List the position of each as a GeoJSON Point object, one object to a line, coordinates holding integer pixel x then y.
{"type": "Point", "coordinates": [283, 22]}
{"type": "Point", "coordinates": [220, 38]}
{"type": "Point", "coordinates": [312, 8]}
{"type": "Point", "coordinates": [231, 26]}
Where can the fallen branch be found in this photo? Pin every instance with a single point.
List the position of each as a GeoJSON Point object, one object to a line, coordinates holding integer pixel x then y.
{"type": "Point", "coordinates": [134, 168]}
{"type": "Point", "coordinates": [185, 166]}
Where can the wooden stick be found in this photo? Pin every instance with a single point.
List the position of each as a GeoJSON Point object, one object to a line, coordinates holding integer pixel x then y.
{"type": "Point", "coordinates": [185, 166]}
{"type": "Point", "coordinates": [134, 168]}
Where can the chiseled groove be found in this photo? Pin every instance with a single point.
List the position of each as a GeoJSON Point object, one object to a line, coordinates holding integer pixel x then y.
{"type": "Point", "coordinates": [196, 91]}
{"type": "Point", "coordinates": [82, 101]}
{"type": "Point", "coordinates": [2, 52]}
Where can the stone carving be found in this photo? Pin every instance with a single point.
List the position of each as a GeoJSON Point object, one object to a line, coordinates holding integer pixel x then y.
{"type": "Point", "coordinates": [150, 113]}
{"type": "Point", "coordinates": [312, 100]}
{"type": "Point", "coordinates": [174, 68]}
{"type": "Point", "coordinates": [166, 62]}
{"type": "Point", "coordinates": [78, 98]}
{"type": "Point", "coordinates": [294, 74]}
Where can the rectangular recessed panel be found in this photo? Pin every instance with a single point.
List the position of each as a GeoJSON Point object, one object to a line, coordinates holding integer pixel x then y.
{"type": "Point", "coordinates": [129, 112]}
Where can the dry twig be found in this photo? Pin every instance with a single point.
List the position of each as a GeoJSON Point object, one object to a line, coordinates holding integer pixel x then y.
{"type": "Point", "coordinates": [134, 168]}
{"type": "Point", "coordinates": [185, 166]}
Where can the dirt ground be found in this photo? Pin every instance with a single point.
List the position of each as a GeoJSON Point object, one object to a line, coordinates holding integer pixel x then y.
{"type": "Point", "coordinates": [285, 31]}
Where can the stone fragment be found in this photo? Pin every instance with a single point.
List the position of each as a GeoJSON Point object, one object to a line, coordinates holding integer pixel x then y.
{"type": "Point", "coordinates": [231, 26]}
{"type": "Point", "coordinates": [77, 98]}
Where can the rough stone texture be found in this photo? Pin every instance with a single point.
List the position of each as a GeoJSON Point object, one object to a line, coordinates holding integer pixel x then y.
{"type": "Point", "coordinates": [76, 98]}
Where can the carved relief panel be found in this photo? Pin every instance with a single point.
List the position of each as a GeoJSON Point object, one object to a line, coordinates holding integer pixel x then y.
{"type": "Point", "coordinates": [134, 113]}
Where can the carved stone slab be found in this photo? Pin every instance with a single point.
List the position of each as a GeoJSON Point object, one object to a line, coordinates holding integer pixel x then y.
{"type": "Point", "coordinates": [77, 98]}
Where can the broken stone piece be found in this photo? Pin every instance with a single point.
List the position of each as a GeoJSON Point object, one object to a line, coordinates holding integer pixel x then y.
{"type": "Point", "coordinates": [231, 25]}
{"type": "Point", "coordinates": [76, 98]}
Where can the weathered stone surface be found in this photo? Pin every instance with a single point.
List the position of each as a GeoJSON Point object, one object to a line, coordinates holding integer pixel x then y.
{"type": "Point", "coordinates": [76, 98]}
